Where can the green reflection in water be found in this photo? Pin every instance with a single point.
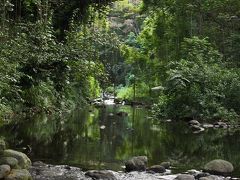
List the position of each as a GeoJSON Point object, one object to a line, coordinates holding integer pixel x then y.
{"type": "Point", "coordinates": [77, 139]}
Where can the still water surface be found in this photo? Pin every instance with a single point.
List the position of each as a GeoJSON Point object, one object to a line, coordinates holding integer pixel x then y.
{"type": "Point", "coordinates": [99, 139]}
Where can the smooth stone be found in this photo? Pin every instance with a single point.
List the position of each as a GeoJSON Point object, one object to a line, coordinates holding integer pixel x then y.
{"type": "Point", "coordinates": [23, 161]}
{"type": "Point", "coordinates": [185, 177]}
{"type": "Point", "coordinates": [4, 171]}
{"type": "Point", "coordinates": [166, 165]}
{"type": "Point", "coordinates": [11, 161]}
{"type": "Point", "coordinates": [137, 163]}
{"type": "Point", "coordinates": [156, 169]}
{"type": "Point", "coordinates": [106, 175]}
{"type": "Point", "coordinates": [211, 177]}
{"type": "Point", "coordinates": [219, 167]}
{"type": "Point", "coordinates": [19, 174]}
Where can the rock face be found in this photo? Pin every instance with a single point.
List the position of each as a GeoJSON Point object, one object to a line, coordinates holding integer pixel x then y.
{"type": "Point", "coordinates": [185, 177]}
{"type": "Point", "coordinates": [138, 163]}
{"type": "Point", "coordinates": [19, 174]}
{"type": "Point", "coordinates": [23, 161]}
{"type": "Point", "coordinates": [219, 167]}
{"type": "Point", "coordinates": [157, 169]}
{"type": "Point", "coordinates": [4, 171]}
{"type": "Point", "coordinates": [105, 175]}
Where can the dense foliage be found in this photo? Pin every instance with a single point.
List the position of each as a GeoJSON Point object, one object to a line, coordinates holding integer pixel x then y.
{"type": "Point", "coordinates": [181, 55]}
{"type": "Point", "coordinates": [40, 73]}
{"type": "Point", "coordinates": [189, 51]}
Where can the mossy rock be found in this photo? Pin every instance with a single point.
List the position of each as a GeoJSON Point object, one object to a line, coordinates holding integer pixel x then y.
{"type": "Point", "coordinates": [11, 161]}
{"type": "Point", "coordinates": [219, 167]}
{"type": "Point", "coordinates": [136, 164]}
{"type": "Point", "coordinates": [23, 161]}
{"type": "Point", "coordinates": [19, 174]}
{"type": "Point", "coordinates": [4, 170]}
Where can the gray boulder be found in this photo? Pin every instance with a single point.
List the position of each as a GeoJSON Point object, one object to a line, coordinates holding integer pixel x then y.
{"type": "Point", "coordinates": [19, 174]}
{"type": "Point", "coordinates": [4, 171]}
{"type": "Point", "coordinates": [219, 167]}
{"type": "Point", "coordinates": [105, 175]}
{"type": "Point", "coordinates": [157, 169]}
{"type": "Point", "coordinates": [138, 163]}
{"type": "Point", "coordinates": [11, 161]}
{"type": "Point", "coordinates": [185, 177]}
{"type": "Point", "coordinates": [23, 161]}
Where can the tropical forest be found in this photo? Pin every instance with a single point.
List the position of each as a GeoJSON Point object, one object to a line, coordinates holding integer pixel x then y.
{"type": "Point", "coordinates": [119, 89]}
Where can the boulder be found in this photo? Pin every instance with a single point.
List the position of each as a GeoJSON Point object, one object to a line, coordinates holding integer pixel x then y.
{"type": "Point", "coordinates": [4, 171]}
{"type": "Point", "coordinates": [11, 161]}
{"type": "Point", "coordinates": [2, 146]}
{"type": "Point", "coordinates": [136, 164]}
{"type": "Point", "coordinates": [23, 161]}
{"type": "Point", "coordinates": [185, 177]}
{"type": "Point", "coordinates": [157, 169]}
{"type": "Point", "coordinates": [166, 165]}
{"type": "Point", "coordinates": [103, 174]}
{"type": "Point", "coordinates": [219, 167]}
{"type": "Point", "coordinates": [19, 174]}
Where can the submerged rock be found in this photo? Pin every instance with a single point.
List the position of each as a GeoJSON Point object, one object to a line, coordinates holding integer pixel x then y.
{"type": "Point", "coordinates": [211, 177]}
{"type": "Point", "coordinates": [219, 167]}
{"type": "Point", "coordinates": [103, 174]}
{"type": "Point", "coordinates": [11, 161]}
{"type": "Point", "coordinates": [185, 177]}
{"type": "Point", "coordinates": [4, 171]}
{"type": "Point", "coordinates": [23, 161]}
{"type": "Point", "coordinates": [138, 163]}
{"type": "Point", "coordinates": [19, 174]}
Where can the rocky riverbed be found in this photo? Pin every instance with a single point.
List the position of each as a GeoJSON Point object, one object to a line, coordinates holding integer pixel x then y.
{"type": "Point", "coordinates": [136, 169]}
{"type": "Point", "coordinates": [41, 171]}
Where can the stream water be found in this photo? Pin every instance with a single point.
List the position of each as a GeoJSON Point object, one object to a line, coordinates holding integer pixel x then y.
{"type": "Point", "coordinates": [93, 138]}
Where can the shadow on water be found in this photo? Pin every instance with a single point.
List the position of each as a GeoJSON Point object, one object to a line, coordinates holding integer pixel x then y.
{"type": "Point", "coordinates": [101, 139]}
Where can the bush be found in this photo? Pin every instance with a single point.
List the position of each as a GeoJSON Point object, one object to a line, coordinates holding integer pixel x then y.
{"type": "Point", "coordinates": [199, 87]}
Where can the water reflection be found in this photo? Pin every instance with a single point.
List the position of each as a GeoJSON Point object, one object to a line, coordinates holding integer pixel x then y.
{"type": "Point", "coordinates": [78, 139]}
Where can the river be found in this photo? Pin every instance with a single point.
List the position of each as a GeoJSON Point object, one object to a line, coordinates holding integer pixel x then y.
{"type": "Point", "coordinates": [102, 138]}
